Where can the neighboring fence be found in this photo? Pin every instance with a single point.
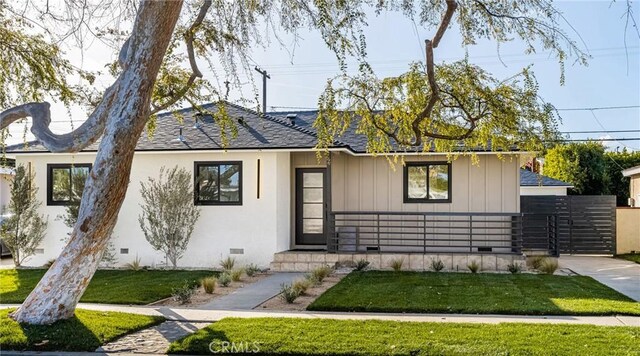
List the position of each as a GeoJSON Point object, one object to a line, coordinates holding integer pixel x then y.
{"type": "Point", "coordinates": [374, 231]}
{"type": "Point", "coordinates": [627, 230]}
{"type": "Point", "coordinates": [586, 224]}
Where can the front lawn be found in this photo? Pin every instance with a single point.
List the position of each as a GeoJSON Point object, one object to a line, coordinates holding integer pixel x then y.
{"type": "Point", "coordinates": [87, 331]}
{"type": "Point", "coordinates": [107, 286]}
{"type": "Point", "coordinates": [374, 337]}
{"type": "Point", "coordinates": [483, 293]}
{"type": "Point", "coordinates": [633, 257]}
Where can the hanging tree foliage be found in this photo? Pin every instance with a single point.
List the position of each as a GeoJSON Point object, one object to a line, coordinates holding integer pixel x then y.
{"type": "Point", "coordinates": [157, 69]}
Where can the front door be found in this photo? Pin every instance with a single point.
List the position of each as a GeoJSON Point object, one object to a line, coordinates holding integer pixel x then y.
{"type": "Point", "coordinates": [310, 206]}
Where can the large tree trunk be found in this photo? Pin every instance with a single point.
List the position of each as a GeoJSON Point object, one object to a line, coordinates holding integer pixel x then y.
{"type": "Point", "coordinates": [57, 294]}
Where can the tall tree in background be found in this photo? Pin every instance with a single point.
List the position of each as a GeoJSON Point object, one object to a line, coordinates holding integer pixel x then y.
{"type": "Point", "coordinates": [581, 164]}
{"type": "Point", "coordinates": [429, 106]}
{"type": "Point", "coordinates": [617, 162]}
{"type": "Point", "coordinates": [24, 229]}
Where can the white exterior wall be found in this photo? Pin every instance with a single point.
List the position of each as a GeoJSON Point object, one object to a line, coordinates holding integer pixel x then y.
{"type": "Point", "coordinates": [5, 190]}
{"type": "Point", "coordinates": [543, 190]}
{"type": "Point", "coordinates": [259, 226]}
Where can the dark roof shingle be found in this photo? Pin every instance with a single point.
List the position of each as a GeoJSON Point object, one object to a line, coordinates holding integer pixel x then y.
{"type": "Point", "coordinates": [530, 179]}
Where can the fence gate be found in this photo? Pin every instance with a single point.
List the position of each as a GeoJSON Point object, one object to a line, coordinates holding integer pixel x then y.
{"type": "Point", "coordinates": [586, 224]}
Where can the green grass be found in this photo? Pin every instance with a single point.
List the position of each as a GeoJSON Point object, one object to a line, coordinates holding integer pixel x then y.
{"type": "Point", "coordinates": [485, 293]}
{"type": "Point", "coordinates": [107, 286]}
{"type": "Point", "coordinates": [85, 332]}
{"type": "Point", "coordinates": [373, 337]}
{"type": "Point", "coordinates": [633, 257]}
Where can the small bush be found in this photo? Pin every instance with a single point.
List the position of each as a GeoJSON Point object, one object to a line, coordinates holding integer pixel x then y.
{"type": "Point", "coordinates": [549, 266]}
{"type": "Point", "coordinates": [288, 293]}
{"type": "Point", "coordinates": [514, 267]}
{"type": "Point", "coordinates": [134, 265]}
{"type": "Point", "coordinates": [535, 261]}
{"type": "Point", "coordinates": [320, 273]}
{"type": "Point", "coordinates": [209, 284]}
{"type": "Point", "coordinates": [183, 294]}
{"type": "Point", "coordinates": [251, 270]}
{"type": "Point", "coordinates": [437, 265]}
{"type": "Point", "coordinates": [301, 285]}
{"type": "Point", "coordinates": [313, 281]}
{"type": "Point", "coordinates": [228, 263]}
{"type": "Point", "coordinates": [236, 274]}
{"type": "Point", "coordinates": [49, 263]}
{"type": "Point", "coordinates": [224, 279]}
{"type": "Point", "coordinates": [396, 264]}
{"type": "Point", "coordinates": [361, 265]}
{"type": "Point", "coordinates": [474, 267]}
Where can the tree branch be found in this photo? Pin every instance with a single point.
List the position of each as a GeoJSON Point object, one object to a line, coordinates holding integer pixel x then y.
{"type": "Point", "coordinates": [195, 71]}
{"type": "Point", "coordinates": [74, 141]}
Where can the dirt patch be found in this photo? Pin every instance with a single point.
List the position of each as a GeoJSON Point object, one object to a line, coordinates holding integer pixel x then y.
{"type": "Point", "coordinates": [201, 297]}
{"type": "Point", "coordinates": [301, 303]}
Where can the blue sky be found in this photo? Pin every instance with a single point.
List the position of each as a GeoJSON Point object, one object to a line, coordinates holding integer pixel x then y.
{"type": "Point", "coordinates": [612, 78]}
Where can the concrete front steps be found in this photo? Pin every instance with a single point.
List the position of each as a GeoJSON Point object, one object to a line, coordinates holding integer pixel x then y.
{"type": "Point", "coordinates": [303, 261]}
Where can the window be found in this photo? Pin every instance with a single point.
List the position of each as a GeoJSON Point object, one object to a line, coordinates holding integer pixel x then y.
{"type": "Point", "coordinates": [218, 183]}
{"type": "Point", "coordinates": [427, 182]}
{"type": "Point", "coordinates": [65, 183]}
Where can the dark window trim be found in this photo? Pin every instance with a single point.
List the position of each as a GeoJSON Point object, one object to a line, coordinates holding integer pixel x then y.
{"type": "Point", "coordinates": [50, 168]}
{"type": "Point", "coordinates": [196, 186]}
{"type": "Point", "coordinates": [405, 181]}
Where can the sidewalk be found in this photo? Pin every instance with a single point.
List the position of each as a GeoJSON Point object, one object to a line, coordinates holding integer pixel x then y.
{"type": "Point", "coordinates": [253, 294]}
{"type": "Point", "coordinates": [621, 275]}
{"type": "Point", "coordinates": [209, 316]}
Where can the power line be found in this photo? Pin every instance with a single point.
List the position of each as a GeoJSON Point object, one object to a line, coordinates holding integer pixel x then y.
{"type": "Point", "coordinates": [601, 108]}
{"type": "Point", "coordinates": [599, 131]}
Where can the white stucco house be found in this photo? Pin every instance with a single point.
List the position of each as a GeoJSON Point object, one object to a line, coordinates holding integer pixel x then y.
{"type": "Point", "coordinates": [537, 184]}
{"type": "Point", "coordinates": [267, 199]}
{"type": "Point", "coordinates": [634, 185]}
{"type": "Point", "coordinates": [6, 177]}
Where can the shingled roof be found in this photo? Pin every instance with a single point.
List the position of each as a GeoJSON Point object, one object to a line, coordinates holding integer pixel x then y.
{"type": "Point", "coordinates": [254, 132]}
{"type": "Point", "coordinates": [530, 179]}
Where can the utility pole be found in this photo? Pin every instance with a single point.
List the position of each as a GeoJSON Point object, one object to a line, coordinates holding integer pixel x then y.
{"type": "Point", "coordinates": [265, 76]}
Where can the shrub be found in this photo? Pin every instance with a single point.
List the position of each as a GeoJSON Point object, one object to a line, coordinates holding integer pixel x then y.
{"type": "Point", "coordinates": [396, 264]}
{"type": "Point", "coordinates": [183, 294]}
{"type": "Point", "coordinates": [24, 229]}
{"type": "Point", "coordinates": [362, 264]}
{"type": "Point", "coordinates": [228, 263]}
{"type": "Point", "coordinates": [251, 270]}
{"type": "Point", "coordinates": [236, 274]}
{"type": "Point", "coordinates": [535, 261]}
{"type": "Point", "coordinates": [224, 279]}
{"type": "Point", "coordinates": [301, 285]}
{"type": "Point", "coordinates": [320, 273]}
{"type": "Point", "coordinates": [549, 266]}
{"type": "Point", "coordinates": [514, 267]}
{"type": "Point", "coordinates": [49, 263]}
{"type": "Point", "coordinates": [474, 267]}
{"type": "Point", "coordinates": [168, 213]}
{"type": "Point", "coordinates": [134, 265]}
{"type": "Point", "coordinates": [437, 265]}
{"type": "Point", "coordinates": [209, 284]}
{"type": "Point", "coordinates": [288, 293]}
{"type": "Point", "coordinates": [313, 281]}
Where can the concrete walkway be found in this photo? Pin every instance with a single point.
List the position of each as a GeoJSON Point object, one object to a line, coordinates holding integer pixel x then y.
{"type": "Point", "coordinates": [621, 275]}
{"type": "Point", "coordinates": [252, 295]}
{"type": "Point", "coordinates": [208, 316]}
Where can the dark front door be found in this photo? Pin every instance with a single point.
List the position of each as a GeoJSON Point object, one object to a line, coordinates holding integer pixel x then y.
{"type": "Point", "coordinates": [310, 206]}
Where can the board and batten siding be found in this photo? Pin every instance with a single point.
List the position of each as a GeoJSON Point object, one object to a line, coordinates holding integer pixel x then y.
{"type": "Point", "coordinates": [372, 184]}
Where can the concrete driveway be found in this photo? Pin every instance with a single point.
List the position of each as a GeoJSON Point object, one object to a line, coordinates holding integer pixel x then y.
{"type": "Point", "coordinates": [621, 275]}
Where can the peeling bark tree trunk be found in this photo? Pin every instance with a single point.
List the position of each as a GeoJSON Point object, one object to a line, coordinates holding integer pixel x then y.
{"type": "Point", "coordinates": [57, 294]}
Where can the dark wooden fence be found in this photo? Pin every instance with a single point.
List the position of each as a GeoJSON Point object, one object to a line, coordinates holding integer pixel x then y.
{"type": "Point", "coordinates": [586, 224]}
